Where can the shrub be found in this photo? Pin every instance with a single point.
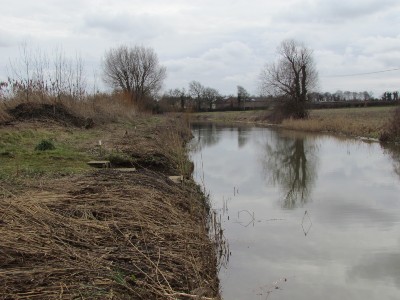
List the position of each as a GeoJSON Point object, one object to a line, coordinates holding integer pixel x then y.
{"type": "Point", "coordinates": [120, 160]}
{"type": "Point", "coordinates": [286, 108]}
{"type": "Point", "coordinates": [45, 145]}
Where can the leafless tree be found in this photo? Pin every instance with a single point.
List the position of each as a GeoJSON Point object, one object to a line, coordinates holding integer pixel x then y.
{"type": "Point", "coordinates": [292, 76]}
{"type": "Point", "coordinates": [21, 76]}
{"type": "Point", "coordinates": [176, 98]}
{"type": "Point", "coordinates": [210, 96]}
{"type": "Point", "coordinates": [196, 90]}
{"type": "Point", "coordinates": [36, 75]}
{"type": "Point", "coordinates": [134, 70]}
{"type": "Point", "coordinates": [242, 96]}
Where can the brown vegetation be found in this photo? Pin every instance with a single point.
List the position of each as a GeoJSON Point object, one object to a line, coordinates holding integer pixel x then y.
{"type": "Point", "coordinates": [105, 234]}
{"type": "Point", "coordinates": [391, 132]}
{"type": "Point", "coordinates": [101, 108]}
{"type": "Point", "coordinates": [358, 122]}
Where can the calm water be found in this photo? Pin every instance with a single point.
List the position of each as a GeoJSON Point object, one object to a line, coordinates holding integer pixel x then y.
{"type": "Point", "coordinates": [306, 216]}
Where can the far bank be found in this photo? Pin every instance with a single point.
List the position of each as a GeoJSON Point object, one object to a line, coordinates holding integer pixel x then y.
{"type": "Point", "coordinates": [368, 122]}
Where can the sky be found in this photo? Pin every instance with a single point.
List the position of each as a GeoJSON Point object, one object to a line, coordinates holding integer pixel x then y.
{"type": "Point", "coordinates": [220, 43]}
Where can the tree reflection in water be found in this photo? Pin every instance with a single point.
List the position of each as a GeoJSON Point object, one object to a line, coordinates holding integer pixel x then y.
{"type": "Point", "coordinates": [242, 136]}
{"type": "Point", "coordinates": [290, 161]}
{"type": "Point", "coordinates": [205, 135]}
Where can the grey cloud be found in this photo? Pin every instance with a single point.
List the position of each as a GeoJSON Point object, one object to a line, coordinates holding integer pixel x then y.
{"type": "Point", "coordinates": [6, 39]}
{"type": "Point", "coordinates": [341, 10]}
{"type": "Point", "coordinates": [229, 64]}
{"type": "Point", "coordinates": [325, 11]}
{"type": "Point", "coordinates": [136, 26]}
{"type": "Point", "coordinates": [341, 213]}
{"type": "Point", "coordinates": [220, 43]}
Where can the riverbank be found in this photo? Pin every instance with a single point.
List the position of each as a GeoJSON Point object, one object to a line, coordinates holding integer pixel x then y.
{"type": "Point", "coordinates": [71, 231]}
{"type": "Point", "coordinates": [366, 122]}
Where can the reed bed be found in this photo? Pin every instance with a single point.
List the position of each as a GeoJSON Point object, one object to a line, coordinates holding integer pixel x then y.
{"type": "Point", "coordinates": [107, 235]}
{"type": "Point", "coordinates": [360, 122]}
{"type": "Point", "coordinates": [101, 108]}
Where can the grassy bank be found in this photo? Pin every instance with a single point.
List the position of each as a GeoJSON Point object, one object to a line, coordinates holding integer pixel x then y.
{"type": "Point", "coordinates": [359, 122]}
{"type": "Point", "coordinates": [70, 231]}
{"type": "Point", "coordinates": [249, 116]}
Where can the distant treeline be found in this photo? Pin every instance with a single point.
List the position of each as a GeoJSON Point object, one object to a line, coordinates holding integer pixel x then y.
{"type": "Point", "coordinates": [353, 103]}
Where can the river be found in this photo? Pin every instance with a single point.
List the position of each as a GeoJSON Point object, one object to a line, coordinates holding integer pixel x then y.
{"type": "Point", "coordinates": [306, 216]}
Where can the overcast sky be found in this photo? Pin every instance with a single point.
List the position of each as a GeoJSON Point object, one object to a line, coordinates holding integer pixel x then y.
{"type": "Point", "coordinates": [221, 43]}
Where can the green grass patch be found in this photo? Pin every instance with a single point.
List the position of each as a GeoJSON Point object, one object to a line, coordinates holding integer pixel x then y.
{"type": "Point", "coordinates": [20, 155]}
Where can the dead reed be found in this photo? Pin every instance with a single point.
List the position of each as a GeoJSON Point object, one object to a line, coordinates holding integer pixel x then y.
{"type": "Point", "coordinates": [107, 235]}
{"type": "Point", "coordinates": [101, 108]}
{"type": "Point", "coordinates": [361, 122]}
{"type": "Point", "coordinates": [4, 116]}
{"type": "Point", "coordinates": [391, 132]}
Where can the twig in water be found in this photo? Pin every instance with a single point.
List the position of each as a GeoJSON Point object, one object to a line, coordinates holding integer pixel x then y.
{"type": "Point", "coordinates": [306, 231]}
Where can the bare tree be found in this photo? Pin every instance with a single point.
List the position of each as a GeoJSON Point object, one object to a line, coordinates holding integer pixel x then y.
{"type": "Point", "coordinates": [134, 70]}
{"type": "Point", "coordinates": [196, 90]}
{"type": "Point", "coordinates": [176, 98]}
{"type": "Point", "coordinates": [36, 75]}
{"type": "Point", "coordinates": [22, 72]}
{"type": "Point", "coordinates": [61, 76]}
{"type": "Point", "coordinates": [242, 96]}
{"type": "Point", "coordinates": [210, 96]}
{"type": "Point", "coordinates": [292, 76]}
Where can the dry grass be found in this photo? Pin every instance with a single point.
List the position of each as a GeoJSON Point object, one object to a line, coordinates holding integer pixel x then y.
{"type": "Point", "coordinates": [104, 108]}
{"type": "Point", "coordinates": [362, 122]}
{"type": "Point", "coordinates": [108, 235]}
{"type": "Point", "coordinates": [101, 108]}
{"type": "Point", "coordinates": [4, 116]}
{"type": "Point", "coordinates": [391, 132]}
{"type": "Point", "coordinates": [253, 116]}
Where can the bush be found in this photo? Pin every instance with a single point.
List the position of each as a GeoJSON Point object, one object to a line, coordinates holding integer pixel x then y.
{"type": "Point", "coordinates": [45, 145]}
{"type": "Point", "coordinates": [286, 108]}
{"type": "Point", "coordinates": [120, 160]}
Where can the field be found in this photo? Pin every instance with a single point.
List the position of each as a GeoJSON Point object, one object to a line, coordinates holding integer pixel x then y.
{"type": "Point", "coordinates": [71, 231]}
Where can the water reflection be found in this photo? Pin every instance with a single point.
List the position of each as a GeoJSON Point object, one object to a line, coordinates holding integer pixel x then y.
{"type": "Point", "coordinates": [352, 225]}
{"type": "Point", "coordinates": [208, 137]}
{"type": "Point", "coordinates": [378, 266]}
{"type": "Point", "coordinates": [394, 152]}
{"type": "Point", "coordinates": [243, 135]}
{"type": "Point", "coordinates": [210, 134]}
{"type": "Point", "coordinates": [290, 161]}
